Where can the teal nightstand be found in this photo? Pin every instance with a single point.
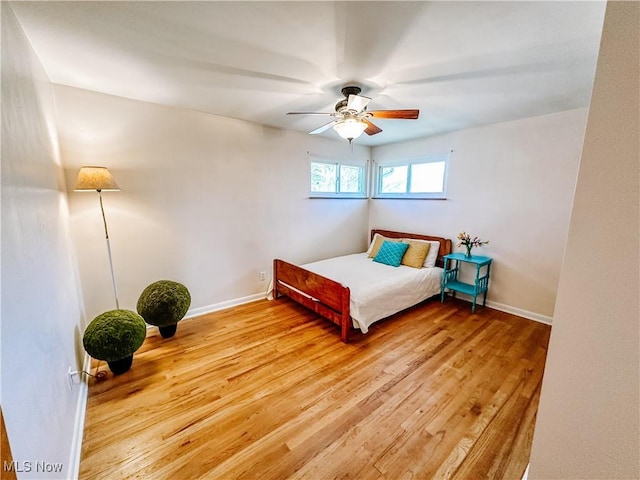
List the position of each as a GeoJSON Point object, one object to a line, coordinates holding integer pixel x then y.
{"type": "Point", "coordinates": [450, 277]}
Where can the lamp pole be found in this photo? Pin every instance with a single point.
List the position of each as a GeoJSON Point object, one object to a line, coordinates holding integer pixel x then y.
{"type": "Point", "coordinates": [106, 236]}
{"type": "Point", "coordinates": [99, 179]}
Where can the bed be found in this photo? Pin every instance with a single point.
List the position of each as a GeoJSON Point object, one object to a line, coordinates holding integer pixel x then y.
{"type": "Point", "coordinates": [352, 291]}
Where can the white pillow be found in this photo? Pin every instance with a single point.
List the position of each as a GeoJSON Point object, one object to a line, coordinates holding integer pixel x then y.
{"type": "Point", "coordinates": [432, 256]}
{"type": "Point", "coordinates": [373, 241]}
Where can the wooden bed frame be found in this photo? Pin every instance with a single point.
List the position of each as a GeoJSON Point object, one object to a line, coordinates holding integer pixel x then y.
{"type": "Point", "coordinates": [327, 297]}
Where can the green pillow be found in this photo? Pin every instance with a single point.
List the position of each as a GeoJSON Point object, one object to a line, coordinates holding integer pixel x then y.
{"type": "Point", "coordinates": [391, 253]}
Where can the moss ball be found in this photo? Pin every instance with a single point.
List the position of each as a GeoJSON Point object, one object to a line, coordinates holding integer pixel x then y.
{"type": "Point", "coordinates": [164, 303]}
{"type": "Point", "coordinates": [114, 335]}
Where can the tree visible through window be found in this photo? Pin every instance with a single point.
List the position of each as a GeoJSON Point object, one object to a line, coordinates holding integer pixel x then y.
{"type": "Point", "coordinates": [323, 177]}
{"type": "Point", "coordinates": [351, 179]}
{"type": "Point", "coordinates": [337, 179]}
{"type": "Point", "coordinates": [393, 179]}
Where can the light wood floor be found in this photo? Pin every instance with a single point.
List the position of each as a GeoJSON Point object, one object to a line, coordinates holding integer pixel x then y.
{"type": "Point", "coordinates": [267, 391]}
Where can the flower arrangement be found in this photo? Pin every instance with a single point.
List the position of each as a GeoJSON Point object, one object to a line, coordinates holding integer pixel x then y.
{"type": "Point", "coordinates": [469, 243]}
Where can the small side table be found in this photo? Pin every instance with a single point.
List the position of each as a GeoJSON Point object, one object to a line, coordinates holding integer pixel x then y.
{"type": "Point", "coordinates": [450, 277]}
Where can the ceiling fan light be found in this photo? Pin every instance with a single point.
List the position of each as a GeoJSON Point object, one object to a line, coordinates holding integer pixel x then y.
{"type": "Point", "coordinates": [350, 128]}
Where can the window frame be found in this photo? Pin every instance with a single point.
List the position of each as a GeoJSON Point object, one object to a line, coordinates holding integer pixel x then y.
{"type": "Point", "coordinates": [437, 158]}
{"type": "Point", "coordinates": [362, 194]}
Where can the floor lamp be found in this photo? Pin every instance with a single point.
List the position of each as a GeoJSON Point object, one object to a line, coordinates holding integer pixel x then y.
{"type": "Point", "coordinates": [99, 179]}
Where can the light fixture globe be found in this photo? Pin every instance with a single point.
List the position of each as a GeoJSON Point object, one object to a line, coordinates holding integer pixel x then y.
{"type": "Point", "coordinates": [350, 128]}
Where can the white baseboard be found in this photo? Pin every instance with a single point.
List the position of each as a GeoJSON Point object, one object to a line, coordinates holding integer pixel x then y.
{"type": "Point", "coordinates": [513, 310]}
{"type": "Point", "coordinates": [526, 473]}
{"type": "Point", "coordinates": [520, 312]}
{"type": "Point", "coordinates": [78, 425]}
{"type": "Point", "coordinates": [196, 312]}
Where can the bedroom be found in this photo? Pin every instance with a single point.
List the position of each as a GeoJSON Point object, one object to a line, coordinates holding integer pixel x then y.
{"type": "Point", "coordinates": [180, 169]}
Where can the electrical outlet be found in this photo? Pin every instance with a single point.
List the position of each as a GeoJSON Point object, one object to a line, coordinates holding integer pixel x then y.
{"type": "Point", "coordinates": [73, 377]}
{"type": "Point", "coordinates": [70, 377]}
{"type": "Point", "coordinates": [263, 276]}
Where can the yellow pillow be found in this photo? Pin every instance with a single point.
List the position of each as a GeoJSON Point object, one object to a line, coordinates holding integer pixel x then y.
{"type": "Point", "coordinates": [415, 254]}
{"type": "Point", "coordinates": [377, 243]}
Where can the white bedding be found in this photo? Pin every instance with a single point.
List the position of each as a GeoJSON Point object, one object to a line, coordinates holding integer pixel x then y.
{"type": "Point", "coordinates": [378, 290]}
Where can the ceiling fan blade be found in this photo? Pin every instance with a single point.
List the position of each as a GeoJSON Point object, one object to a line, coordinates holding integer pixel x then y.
{"type": "Point", "coordinates": [323, 128]}
{"type": "Point", "coordinates": [400, 114]}
{"type": "Point", "coordinates": [371, 128]}
{"type": "Point", "coordinates": [310, 113]}
{"type": "Point", "coordinates": [357, 103]}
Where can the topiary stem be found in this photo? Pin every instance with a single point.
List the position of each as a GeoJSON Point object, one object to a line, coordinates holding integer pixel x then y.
{"type": "Point", "coordinates": [118, 367]}
{"type": "Point", "coordinates": [168, 331]}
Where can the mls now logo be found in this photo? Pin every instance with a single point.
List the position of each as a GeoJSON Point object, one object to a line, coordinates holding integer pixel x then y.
{"type": "Point", "coordinates": [26, 467]}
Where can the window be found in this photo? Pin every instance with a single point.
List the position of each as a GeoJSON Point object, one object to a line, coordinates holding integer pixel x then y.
{"type": "Point", "coordinates": [337, 180]}
{"type": "Point", "coordinates": [423, 177]}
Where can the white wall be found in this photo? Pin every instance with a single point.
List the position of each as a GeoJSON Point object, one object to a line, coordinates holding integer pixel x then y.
{"type": "Point", "coordinates": [589, 419]}
{"type": "Point", "coordinates": [196, 184]}
{"type": "Point", "coordinates": [509, 183]}
{"type": "Point", "coordinates": [207, 201]}
{"type": "Point", "coordinates": [41, 309]}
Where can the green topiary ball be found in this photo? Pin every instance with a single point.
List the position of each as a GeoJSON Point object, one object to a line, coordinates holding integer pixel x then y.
{"type": "Point", "coordinates": [114, 335]}
{"type": "Point", "coordinates": [164, 303]}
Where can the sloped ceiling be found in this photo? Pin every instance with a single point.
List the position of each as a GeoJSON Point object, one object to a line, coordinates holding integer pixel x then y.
{"type": "Point", "coordinates": [463, 64]}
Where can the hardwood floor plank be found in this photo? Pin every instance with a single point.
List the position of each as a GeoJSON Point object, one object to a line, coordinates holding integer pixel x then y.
{"type": "Point", "coordinates": [267, 390]}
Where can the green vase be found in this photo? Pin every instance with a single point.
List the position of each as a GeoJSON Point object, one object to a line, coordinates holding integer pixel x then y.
{"type": "Point", "coordinates": [468, 254]}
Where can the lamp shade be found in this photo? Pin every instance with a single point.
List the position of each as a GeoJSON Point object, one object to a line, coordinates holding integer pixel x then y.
{"type": "Point", "coordinates": [95, 178]}
{"type": "Point", "coordinates": [350, 128]}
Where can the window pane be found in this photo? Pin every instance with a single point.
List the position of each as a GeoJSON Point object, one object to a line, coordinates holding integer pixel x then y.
{"type": "Point", "coordinates": [351, 179]}
{"type": "Point", "coordinates": [427, 177]}
{"type": "Point", "coordinates": [323, 177]}
{"type": "Point", "coordinates": [393, 179]}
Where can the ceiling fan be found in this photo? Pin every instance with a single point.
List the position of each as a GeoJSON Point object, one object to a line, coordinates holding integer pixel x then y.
{"type": "Point", "coordinates": [352, 117]}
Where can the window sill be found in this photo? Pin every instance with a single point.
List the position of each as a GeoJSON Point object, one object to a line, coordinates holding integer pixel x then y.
{"type": "Point", "coordinates": [339, 197]}
{"type": "Point", "coordinates": [400, 197]}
